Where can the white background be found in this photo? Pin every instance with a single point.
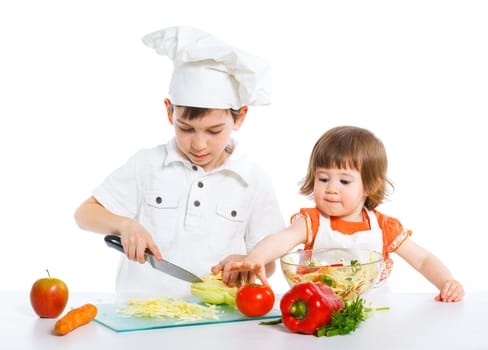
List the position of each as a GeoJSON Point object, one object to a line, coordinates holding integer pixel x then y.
{"type": "Point", "coordinates": [80, 93]}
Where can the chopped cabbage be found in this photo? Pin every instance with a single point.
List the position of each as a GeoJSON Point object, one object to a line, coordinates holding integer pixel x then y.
{"type": "Point", "coordinates": [165, 307]}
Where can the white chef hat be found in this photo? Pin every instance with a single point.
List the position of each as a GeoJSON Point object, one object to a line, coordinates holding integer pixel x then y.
{"type": "Point", "coordinates": [210, 73]}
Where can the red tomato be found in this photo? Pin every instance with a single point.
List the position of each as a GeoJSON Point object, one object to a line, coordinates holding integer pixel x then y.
{"type": "Point", "coordinates": [254, 300]}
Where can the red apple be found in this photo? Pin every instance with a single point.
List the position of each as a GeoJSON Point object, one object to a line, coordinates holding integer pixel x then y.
{"type": "Point", "coordinates": [49, 297]}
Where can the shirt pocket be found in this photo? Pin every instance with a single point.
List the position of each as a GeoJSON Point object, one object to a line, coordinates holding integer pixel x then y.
{"type": "Point", "coordinates": [161, 200]}
{"type": "Point", "coordinates": [231, 213]}
{"type": "Point", "coordinates": [161, 213]}
{"type": "Point", "coordinates": [230, 227]}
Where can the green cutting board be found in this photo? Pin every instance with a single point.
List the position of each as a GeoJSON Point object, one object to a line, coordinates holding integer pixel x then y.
{"type": "Point", "coordinates": [109, 317]}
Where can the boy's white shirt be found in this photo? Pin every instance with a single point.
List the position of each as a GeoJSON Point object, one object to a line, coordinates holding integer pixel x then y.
{"type": "Point", "coordinates": [158, 186]}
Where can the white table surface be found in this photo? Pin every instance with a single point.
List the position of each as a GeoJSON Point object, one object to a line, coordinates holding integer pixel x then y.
{"type": "Point", "coordinates": [414, 321]}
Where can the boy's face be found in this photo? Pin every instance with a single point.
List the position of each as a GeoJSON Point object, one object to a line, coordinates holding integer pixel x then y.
{"type": "Point", "coordinates": [339, 192]}
{"type": "Point", "coordinates": [203, 140]}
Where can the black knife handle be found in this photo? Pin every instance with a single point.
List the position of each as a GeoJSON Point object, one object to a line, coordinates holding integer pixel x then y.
{"type": "Point", "coordinates": [113, 241]}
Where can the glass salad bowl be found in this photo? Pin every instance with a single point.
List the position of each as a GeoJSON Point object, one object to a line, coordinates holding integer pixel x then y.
{"type": "Point", "coordinates": [349, 272]}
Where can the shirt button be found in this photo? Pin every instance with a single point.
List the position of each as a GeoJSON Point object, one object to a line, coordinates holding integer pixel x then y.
{"type": "Point", "coordinates": [196, 203]}
{"type": "Point", "coordinates": [194, 167]}
{"type": "Point", "coordinates": [233, 213]}
{"type": "Point", "coordinates": [159, 200]}
{"type": "Point", "coordinates": [200, 184]}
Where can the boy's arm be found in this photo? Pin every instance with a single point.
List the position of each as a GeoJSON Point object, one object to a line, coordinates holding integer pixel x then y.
{"type": "Point", "coordinates": [92, 216]}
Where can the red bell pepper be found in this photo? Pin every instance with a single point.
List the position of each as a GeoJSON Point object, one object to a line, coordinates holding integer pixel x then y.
{"type": "Point", "coordinates": [308, 306]}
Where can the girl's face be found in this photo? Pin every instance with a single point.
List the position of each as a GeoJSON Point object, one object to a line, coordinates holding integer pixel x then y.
{"type": "Point", "coordinates": [203, 140]}
{"type": "Point", "coordinates": [339, 192]}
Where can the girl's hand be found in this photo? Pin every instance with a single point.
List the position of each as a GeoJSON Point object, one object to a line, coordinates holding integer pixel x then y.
{"type": "Point", "coordinates": [228, 277]}
{"type": "Point", "coordinates": [248, 272]}
{"type": "Point", "coordinates": [236, 271]}
{"type": "Point", "coordinates": [451, 291]}
{"type": "Point", "coordinates": [135, 239]}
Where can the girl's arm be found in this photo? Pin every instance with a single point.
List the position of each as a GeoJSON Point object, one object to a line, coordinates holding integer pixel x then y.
{"type": "Point", "coordinates": [265, 252]}
{"type": "Point", "coordinates": [93, 216]}
{"type": "Point", "coordinates": [432, 269]}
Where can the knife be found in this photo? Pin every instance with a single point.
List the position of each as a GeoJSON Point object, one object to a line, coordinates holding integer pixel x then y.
{"type": "Point", "coordinates": [165, 266]}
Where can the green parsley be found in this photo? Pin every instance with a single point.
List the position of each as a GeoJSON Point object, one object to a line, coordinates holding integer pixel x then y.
{"type": "Point", "coordinates": [346, 320]}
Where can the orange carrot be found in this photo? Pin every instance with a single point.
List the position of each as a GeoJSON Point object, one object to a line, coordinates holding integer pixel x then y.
{"type": "Point", "coordinates": [75, 318]}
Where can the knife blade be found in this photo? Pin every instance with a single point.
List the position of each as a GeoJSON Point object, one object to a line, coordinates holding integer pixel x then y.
{"type": "Point", "coordinates": [113, 241]}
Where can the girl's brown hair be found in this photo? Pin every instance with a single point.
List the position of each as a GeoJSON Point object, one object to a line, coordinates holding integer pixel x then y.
{"type": "Point", "coordinates": [353, 148]}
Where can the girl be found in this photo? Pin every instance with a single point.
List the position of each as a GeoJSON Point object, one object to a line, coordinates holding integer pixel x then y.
{"type": "Point", "coordinates": [347, 178]}
{"type": "Point", "coordinates": [196, 198]}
